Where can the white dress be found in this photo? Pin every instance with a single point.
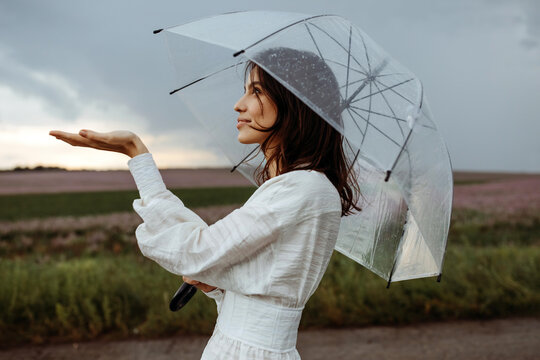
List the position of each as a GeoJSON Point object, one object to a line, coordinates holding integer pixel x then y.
{"type": "Point", "coordinates": [266, 258]}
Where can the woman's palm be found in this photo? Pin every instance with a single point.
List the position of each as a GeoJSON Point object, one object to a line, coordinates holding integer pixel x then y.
{"type": "Point", "coordinates": [122, 141]}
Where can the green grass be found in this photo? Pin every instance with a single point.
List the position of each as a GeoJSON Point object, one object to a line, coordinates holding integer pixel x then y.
{"type": "Point", "coordinates": [476, 283]}
{"type": "Point", "coordinates": [499, 234]}
{"type": "Point", "coordinates": [17, 207]}
{"type": "Point", "coordinates": [87, 297]}
{"type": "Point", "coordinates": [468, 228]}
{"type": "Point", "coordinates": [81, 289]}
{"type": "Point", "coordinates": [122, 296]}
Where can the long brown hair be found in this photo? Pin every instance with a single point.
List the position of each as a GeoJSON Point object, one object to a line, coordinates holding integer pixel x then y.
{"type": "Point", "coordinates": [306, 141]}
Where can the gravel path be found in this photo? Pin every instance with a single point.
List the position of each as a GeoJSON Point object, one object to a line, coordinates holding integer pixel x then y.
{"type": "Point", "coordinates": [495, 339]}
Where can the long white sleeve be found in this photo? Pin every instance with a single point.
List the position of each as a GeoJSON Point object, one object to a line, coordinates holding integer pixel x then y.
{"type": "Point", "coordinates": [266, 258]}
{"type": "Point", "coordinates": [249, 248]}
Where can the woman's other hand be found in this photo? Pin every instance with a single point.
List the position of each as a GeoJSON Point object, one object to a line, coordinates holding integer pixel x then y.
{"type": "Point", "coordinates": [199, 285]}
{"type": "Point", "coordinates": [121, 141]}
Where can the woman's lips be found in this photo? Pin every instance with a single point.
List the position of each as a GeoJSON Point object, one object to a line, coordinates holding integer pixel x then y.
{"type": "Point", "coordinates": [242, 122]}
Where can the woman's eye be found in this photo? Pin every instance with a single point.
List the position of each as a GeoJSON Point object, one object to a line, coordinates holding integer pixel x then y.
{"type": "Point", "coordinates": [256, 90]}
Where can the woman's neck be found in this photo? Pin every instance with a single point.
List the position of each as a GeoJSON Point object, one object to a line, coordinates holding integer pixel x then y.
{"type": "Point", "coordinates": [272, 169]}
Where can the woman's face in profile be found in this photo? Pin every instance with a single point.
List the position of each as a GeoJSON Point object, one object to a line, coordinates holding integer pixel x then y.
{"type": "Point", "coordinates": [255, 111]}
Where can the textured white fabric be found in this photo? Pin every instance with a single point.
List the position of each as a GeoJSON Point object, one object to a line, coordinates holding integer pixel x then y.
{"type": "Point", "coordinates": [266, 258]}
{"type": "Point", "coordinates": [245, 317]}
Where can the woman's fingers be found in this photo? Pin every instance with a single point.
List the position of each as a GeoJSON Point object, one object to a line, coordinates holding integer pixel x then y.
{"type": "Point", "coordinates": [96, 136]}
{"type": "Point", "coordinates": [122, 141]}
{"type": "Point", "coordinates": [60, 134]}
{"type": "Point", "coordinates": [205, 287]}
{"type": "Point", "coordinates": [118, 137]}
{"type": "Point", "coordinates": [199, 285]}
{"type": "Point", "coordinates": [117, 141]}
{"type": "Point", "coordinates": [190, 281]}
{"type": "Point", "coordinates": [73, 139]}
{"type": "Point", "coordinates": [77, 140]}
{"type": "Point", "coordinates": [55, 132]}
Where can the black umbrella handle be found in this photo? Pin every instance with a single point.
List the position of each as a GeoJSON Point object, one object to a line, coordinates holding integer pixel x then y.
{"type": "Point", "coordinates": [182, 296]}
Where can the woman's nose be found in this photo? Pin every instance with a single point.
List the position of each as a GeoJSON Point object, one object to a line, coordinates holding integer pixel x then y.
{"type": "Point", "coordinates": [239, 106]}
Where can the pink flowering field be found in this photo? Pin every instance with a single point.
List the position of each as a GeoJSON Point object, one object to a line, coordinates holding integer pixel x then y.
{"type": "Point", "coordinates": [504, 198]}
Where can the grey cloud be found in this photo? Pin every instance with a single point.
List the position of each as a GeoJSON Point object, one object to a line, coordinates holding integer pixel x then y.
{"type": "Point", "coordinates": [107, 51]}
{"type": "Point", "coordinates": [20, 80]}
{"type": "Point", "coordinates": [532, 23]}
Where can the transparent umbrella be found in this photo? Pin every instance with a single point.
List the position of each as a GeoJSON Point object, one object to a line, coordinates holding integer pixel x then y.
{"type": "Point", "coordinates": [397, 154]}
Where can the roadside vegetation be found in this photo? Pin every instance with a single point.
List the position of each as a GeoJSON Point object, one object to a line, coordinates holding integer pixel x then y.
{"type": "Point", "coordinates": [77, 274]}
{"type": "Point", "coordinates": [29, 206]}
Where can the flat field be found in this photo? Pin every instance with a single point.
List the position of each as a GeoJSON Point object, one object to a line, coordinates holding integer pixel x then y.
{"type": "Point", "coordinates": [74, 273]}
{"type": "Point", "coordinates": [41, 182]}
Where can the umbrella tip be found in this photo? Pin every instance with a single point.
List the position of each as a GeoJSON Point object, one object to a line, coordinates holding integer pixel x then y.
{"type": "Point", "coordinates": [157, 31]}
{"type": "Point", "coordinates": [238, 53]}
{"type": "Point", "coordinates": [388, 172]}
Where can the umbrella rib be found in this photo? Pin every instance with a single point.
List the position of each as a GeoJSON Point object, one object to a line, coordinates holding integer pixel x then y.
{"type": "Point", "coordinates": [370, 85]}
{"type": "Point", "coordinates": [333, 61]}
{"type": "Point", "coordinates": [244, 159]}
{"type": "Point", "coordinates": [359, 71]}
{"type": "Point", "coordinates": [359, 80]}
{"type": "Point", "coordinates": [378, 113]}
{"type": "Point", "coordinates": [368, 79]}
{"type": "Point", "coordinates": [385, 89]}
{"type": "Point", "coordinates": [314, 42]}
{"type": "Point", "coordinates": [388, 116]}
{"type": "Point", "coordinates": [355, 123]}
{"type": "Point", "coordinates": [354, 160]}
{"type": "Point", "coordinates": [349, 144]}
{"type": "Point", "coordinates": [395, 92]}
{"type": "Point", "coordinates": [340, 64]}
{"type": "Point", "coordinates": [388, 172]}
{"type": "Point", "coordinates": [322, 57]}
{"type": "Point", "coordinates": [351, 166]}
{"type": "Point", "coordinates": [355, 156]}
{"type": "Point", "coordinates": [275, 32]}
{"type": "Point", "coordinates": [368, 118]}
{"type": "Point", "coordinates": [348, 63]}
{"type": "Point", "coordinates": [340, 45]}
{"type": "Point", "coordinates": [366, 52]}
{"type": "Point", "coordinates": [389, 107]}
{"type": "Point", "coordinates": [376, 128]}
{"type": "Point", "coordinates": [353, 82]}
{"type": "Point", "coordinates": [202, 78]}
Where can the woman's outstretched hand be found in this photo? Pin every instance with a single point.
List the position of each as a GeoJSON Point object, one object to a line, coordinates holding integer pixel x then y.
{"type": "Point", "coordinates": [121, 141]}
{"type": "Point", "coordinates": [199, 285]}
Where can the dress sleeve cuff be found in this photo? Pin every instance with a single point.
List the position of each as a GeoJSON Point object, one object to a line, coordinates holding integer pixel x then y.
{"type": "Point", "coordinates": [146, 175]}
{"type": "Point", "coordinates": [216, 294]}
{"type": "Point", "coordinates": [213, 294]}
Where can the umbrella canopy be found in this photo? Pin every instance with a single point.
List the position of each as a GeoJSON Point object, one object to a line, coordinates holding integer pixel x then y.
{"type": "Point", "coordinates": [398, 156]}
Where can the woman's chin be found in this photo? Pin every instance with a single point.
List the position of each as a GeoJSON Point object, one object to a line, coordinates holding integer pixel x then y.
{"type": "Point", "coordinates": [245, 141]}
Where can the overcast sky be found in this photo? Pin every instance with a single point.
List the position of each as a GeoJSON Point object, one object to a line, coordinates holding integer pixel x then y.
{"type": "Point", "coordinates": [95, 64]}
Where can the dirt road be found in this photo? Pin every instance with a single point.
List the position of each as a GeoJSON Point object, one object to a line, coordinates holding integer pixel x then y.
{"type": "Point", "coordinates": [463, 340]}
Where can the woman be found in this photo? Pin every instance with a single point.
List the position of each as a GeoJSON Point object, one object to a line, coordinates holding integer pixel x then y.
{"type": "Point", "coordinates": [262, 262]}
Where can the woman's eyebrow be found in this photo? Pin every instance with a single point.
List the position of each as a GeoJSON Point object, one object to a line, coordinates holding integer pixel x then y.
{"type": "Point", "coordinates": [250, 85]}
